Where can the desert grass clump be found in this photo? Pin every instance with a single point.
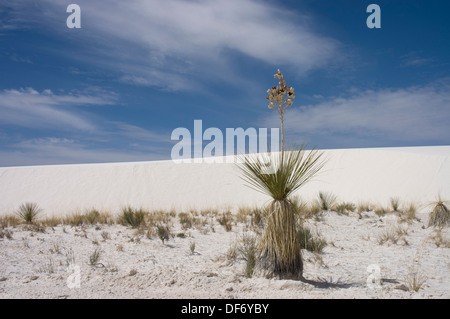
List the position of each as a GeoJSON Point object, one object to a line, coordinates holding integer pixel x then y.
{"type": "Point", "coordinates": [52, 221]}
{"type": "Point", "coordinates": [186, 220]}
{"type": "Point", "coordinates": [300, 206]}
{"type": "Point", "coordinates": [313, 210]}
{"type": "Point", "coordinates": [257, 219]}
{"type": "Point", "coordinates": [9, 221]}
{"type": "Point", "coordinates": [94, 257]}
{"type": "Point", "coordinates": [395, 204]}
{"type": "Point", "coordinates": [29, 212]}
{"type": "Point", "coordinates": [440, 215]}
{"type": "Point", "coordinates": [192, 247]}
{"type": "Point", "coordinates": [132, 217]}
{"type": "Point", "coordinates": [415, 279]}
{"type": "Point", "coordinates": [393, 234]}
{"type": "Point", "coordinates": [344, 208]}
{"type": "Point", "coordinates": [326, 201]}
{"type": "Point", "coordinates": [226, 220]}
{"type": "Point", "coordinates": [409, 213]}
{"type": "Point", "coordinates": [248, 251]}
{"type": "Point", "coordinates": [243, 213]}
{"type": "Point", "coordinates": [364, 207]}
{"type": "Point", "coordinates": [381, 211]}
{"type": "Point", "coordinates": [5, 233]}
{"type": "Point", "coordinates": [164, 232]}
{"type": "Point", "coordinates": [439, 240]}
{"type": "Point", "coordinates": [105, 235]}
{"type": "Point", "coordinates": [309, 241]}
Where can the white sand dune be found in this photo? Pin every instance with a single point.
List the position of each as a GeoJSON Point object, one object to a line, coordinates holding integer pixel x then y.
{"type": "Point", "coordinates": [412, 174]}
{"type": "Point", "coordinates": [132, 265]}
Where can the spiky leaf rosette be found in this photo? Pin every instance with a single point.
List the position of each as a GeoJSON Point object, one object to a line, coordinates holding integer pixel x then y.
{"type": "Point", "coordinates": [279, 177]}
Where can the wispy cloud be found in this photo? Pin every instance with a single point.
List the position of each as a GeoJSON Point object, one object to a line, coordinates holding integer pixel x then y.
{"type": "Point", "coordinates": [412, 115]}
{"type": "Point", "coordinates": [79, 134]}
{"type": "Point", "coordinates": [413, 59]}
{"type": "Point", "coordinates": [176, 44]}
{"type": "Point", "coordinates": [32, 109]}
{"type": "Point", "coordinates": [48, 151]}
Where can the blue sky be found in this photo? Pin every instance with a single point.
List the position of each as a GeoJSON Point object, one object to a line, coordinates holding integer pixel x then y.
{"type": "Point", "coordinates": [115, 89]}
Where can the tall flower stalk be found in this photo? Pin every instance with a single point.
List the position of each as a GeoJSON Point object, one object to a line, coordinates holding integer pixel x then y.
{"type": "Point", "coordinates": [281, 98]}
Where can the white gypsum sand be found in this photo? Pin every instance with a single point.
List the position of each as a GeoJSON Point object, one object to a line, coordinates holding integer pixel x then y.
{"type": "Point", "coordinates": [34, 264]}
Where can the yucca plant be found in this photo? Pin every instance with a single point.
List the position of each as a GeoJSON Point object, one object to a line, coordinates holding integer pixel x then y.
{"type": "Point", "coordinates": [28, 212]}
{"type": "Point", "coordinates": [280, 250]}
{"type": "Point", "coordinates": [440, 215]}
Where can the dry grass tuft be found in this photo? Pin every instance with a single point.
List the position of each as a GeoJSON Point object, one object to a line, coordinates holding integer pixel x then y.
{"type": "Point", "coordinates": [226, 220]}
{"type": "Point", "coordinates": [309, 241]}
{"type": "Point", "coordinates": [344, 208]}
{"type": "Point", "coordinates": [132, 217]}
{"type": "Point", "coordinates": [326, 201]}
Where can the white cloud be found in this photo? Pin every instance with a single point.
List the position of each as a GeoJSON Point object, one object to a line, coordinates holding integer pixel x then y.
{"type": "Point", "coordinates": [48, 151]}
{"type": "Point", "coordinates": [32, 109]}
{"type": "Point", "coordinates": [170, 43]}
{"type": "Point", "coordinates": [411, 115]}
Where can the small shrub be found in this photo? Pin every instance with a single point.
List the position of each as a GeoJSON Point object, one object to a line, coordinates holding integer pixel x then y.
{"type": "Point", "coordinates": [6, 233]}
{"type": "Point", "coordinates": [75, 219]}
{"type": "Point", "coordinates": [439, 240]}
{"type": "Point", "coordinates": [247, 250]}
{"type": "Point", "coordinates": [94, 258]}
{"type": "Point", "coordinates": [28, 212]}
{"type": "Point", "coordinates": [393, 233]}
{"type": "Point", "coordinates": [132, 217]}
{"type": "Point", "coordinates": [92, 217]}
{"type": "Point", "coordinates": [192, 247]}
{"type": "Point", "coordinates": [381, 211]}
{"type": "Point", "coordinates": [298, 205]}
{"type": "Point", "coordinates": [345, 208]}
{"type": "Point", "coordinates": [186, 220]}
{"type": "Point", "coordinates": [409, 213]}
{"type": "Point", "coordinates": [232, 252]}
{"type": "Point", "coordinates": [51, 222]}
{"type": "Point", "coordinates": [364, 207]}
{"type": "Point", "coordinates": [395, 204]}
{"type": "Point", "coordinates": [310, 242]}
{"type": "Point", "coordinates": [312, 211]}
{"type": "Point", "coordinates": [415, 279]}
{"type": "Point", "coordinates": [163, 232]}
{"type": "Point", "coordinates": [440, 215]}
{"type": "Point", "coordinates": [326, 201]}
{"type": "Point", "coordinates": [226, 220]}
{"type": "Point", "coordinates": [9, 221]}
{"type": "Point", "coordinates": [105, 235]}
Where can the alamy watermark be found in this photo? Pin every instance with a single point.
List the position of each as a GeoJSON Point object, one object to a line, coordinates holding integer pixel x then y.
{"type": "Point", "coordinates": [74, 279]}
{"type": "Point", "coordinates": [374, 278]}
{"type": "Point", "coordinates": [220, 147]}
